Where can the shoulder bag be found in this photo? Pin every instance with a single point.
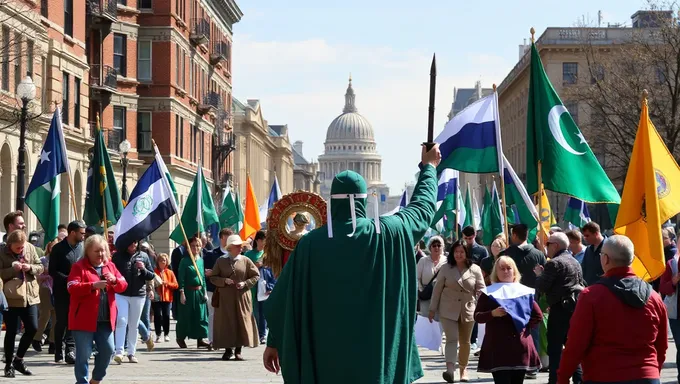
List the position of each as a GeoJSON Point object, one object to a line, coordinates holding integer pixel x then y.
{"type": "Point", "coordinates": [426, 293]}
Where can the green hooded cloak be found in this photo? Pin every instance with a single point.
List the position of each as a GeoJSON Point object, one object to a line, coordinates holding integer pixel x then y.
{"type": "Point", "coordinates": [343, 309]}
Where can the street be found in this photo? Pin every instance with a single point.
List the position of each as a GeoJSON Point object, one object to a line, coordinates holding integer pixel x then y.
{"type": "Point", "coordinates": [169, 364]}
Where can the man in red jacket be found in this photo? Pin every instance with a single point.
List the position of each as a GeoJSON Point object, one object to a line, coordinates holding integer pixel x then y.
{"type": "Point", "coordinates": [619, 330]}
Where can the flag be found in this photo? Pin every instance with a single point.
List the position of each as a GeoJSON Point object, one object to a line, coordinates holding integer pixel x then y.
{"type": "Point", "coordinates": [554, 140]}
{"type": "Point", "coordinates": [471, 141]}
{"type": "Point", "coordinates": [151, 204]}
{"type": "Point", "coordinates": [251, 219]}
{"type": "Point", "coordinates": [469, 216]}
{"type": "Point", "coordinates": [651, 196]}
{"type": "Point", "coordinates": [576, 213]}
{"type": "Point", "coordinates": [447, 189]}
{"type": "Point", "coordinates": [43, 194]}
{"type": "Point", "coordinates": [199, 211]}
{"type": "Point", "coordinates": [476, 213]}
{"type": "Point", "coordinates": [229, 214]}
{"type": "Point", "coordinates": [491, 218]}
{"type": "Point", "coordinates": [402, 204]}
{"type": "Point", "coordinates": [164, 169]}
{"type": "Point", "coordinates": [274, 196]}
{"type": "Point", "coordinates": [102, 199]}
{"type": "Point", "coordinates": [517, 196]}
{"type": "Point", "coordinates": [546, 215]}
{"type": "Point", "coordinates": [239, 209]}
{"type": "Point", "coordinates": [517, 300]}
{"type": "Point", "coordinates": [495, 198]}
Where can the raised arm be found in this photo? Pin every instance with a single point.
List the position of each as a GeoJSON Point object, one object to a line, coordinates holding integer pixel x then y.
{"type": "Point", "coordinates": [418, 214]}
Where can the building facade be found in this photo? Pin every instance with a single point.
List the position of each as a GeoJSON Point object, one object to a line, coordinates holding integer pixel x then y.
{"type": "Point", "coordinates": [262, 151]}
{"type": "Point", "coordinates": [99, 61]}
{"type": "Point", "coordinates": [350, 145]}
{"type": "Point", "coordinates": [305, 173]}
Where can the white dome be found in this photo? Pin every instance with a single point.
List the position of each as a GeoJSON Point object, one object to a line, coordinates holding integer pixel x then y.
{"type": "Point", "coordinates": [350, 126]}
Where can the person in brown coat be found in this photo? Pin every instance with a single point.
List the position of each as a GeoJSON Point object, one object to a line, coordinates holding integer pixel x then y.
{"type": "Point", "coordinates": [234, 325]}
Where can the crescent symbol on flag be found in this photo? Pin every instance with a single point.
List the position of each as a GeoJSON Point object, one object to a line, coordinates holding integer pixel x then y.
{"type": "Point", "coordinates": [556, 130]}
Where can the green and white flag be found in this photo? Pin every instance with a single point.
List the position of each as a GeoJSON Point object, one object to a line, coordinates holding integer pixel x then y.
{"type": "Point", "coordinates": [199, 211]}
{"type": "Point", "coordinates": [554, 140]}
{"type": "Point", "coordinates": [43, 194]}
{"type": "Point", "coordinates": [229, 215]}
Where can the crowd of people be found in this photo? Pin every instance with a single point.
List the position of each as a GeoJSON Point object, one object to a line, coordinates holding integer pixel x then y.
{"type": "Point", "coordinates": [82, 297]}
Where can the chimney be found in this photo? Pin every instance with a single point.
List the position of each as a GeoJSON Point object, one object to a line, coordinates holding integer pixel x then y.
{"type": "Point", "coordinates": [298, 147]}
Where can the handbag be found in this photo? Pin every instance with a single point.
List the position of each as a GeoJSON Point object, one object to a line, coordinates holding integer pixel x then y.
{"type": "Point", "coordinates": [14, 289]}
{"type": "Point", "coordinates": [426, 293]}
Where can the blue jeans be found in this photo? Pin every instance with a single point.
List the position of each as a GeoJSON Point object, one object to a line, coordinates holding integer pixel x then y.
{"type": "Point", "coordinates": [146, 315]}
{"type": "Point", "coordinates": [103, 339]}
{"type": "Point", "coordinates": [261, 321]}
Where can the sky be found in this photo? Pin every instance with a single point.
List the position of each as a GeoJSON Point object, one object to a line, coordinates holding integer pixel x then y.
{"type": "Point", "coordinates": [296, 56]}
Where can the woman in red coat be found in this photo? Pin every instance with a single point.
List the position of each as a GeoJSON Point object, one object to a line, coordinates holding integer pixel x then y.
{"type": "Point", "coordinates": [508, 350]}
{"type": "Point", "coordinates": [93, 283]}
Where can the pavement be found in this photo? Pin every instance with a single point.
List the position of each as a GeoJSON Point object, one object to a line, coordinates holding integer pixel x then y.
{"type": "Point", "coordinates": [169, 364]}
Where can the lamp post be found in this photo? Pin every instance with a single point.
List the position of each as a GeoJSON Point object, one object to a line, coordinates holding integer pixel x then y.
{"type": "Point", "coordinates": [124, 148]}
{"type": "Point", "coordinates": [25, 94]}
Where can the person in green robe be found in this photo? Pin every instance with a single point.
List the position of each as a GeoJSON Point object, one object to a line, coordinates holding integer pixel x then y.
{"type": "Point", "coordinates": [192, 319]}
{"type": "Point", "coordinates": [344, 308]}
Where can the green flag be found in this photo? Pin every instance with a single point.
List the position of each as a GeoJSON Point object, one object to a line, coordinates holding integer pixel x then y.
{"type": "Point", "coordinates": [469, 220]}
{"type": "Point", "coordinates": [199, 211]}
{"type": "Point", "coordinates": [229, 215]}
{"type": "Point", "coordinates": [102, 198]}
{"type": "Point", "coordinates": [239, 209]}
{"type": "Point", "coordinates": [554, 140]}
{"type": "Point", "coordinates": [491, 217]}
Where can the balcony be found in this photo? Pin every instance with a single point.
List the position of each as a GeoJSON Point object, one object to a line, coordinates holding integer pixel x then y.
{"type": "Point", "coordinates": [211, 101]}
{"type": "Point", "coordinates": [200, 31]}
{"type": "Point", "coordinates": [103, 12]}
{"type": "Point", "coordinates": [220, 52]}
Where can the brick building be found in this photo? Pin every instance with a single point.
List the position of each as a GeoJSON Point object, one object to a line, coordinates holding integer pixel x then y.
{"type": "Point", "coordinates": [150, 69]}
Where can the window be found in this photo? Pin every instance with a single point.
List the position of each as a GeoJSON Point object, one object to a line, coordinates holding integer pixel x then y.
{"type": "Point", "coordinates": [660, 72]}
{"type": "Point", "coordinates": [68, 17]}
{"type": "Point", "coordinates": [76, 102]}
{"type": "Point", "coordinates": [144, 60]}
{"type": "Point", "coordinates": [30, 46]}
{"type": "Point", "coordinates": [122, 2]}
{"type": "Point", "coordinates": [144, 131]}
{"type": "Point", "coordinates": [64, 98]}
{"type": "Point", "coordinates": [572, 107]}
{"type": "Point", "coordinates": [43, 7]}
{"type": "Point", "coordinates": [192, 87]}
{"type": "Point", "coordinates": [202, 147]}
{"type": "Point", "coordinates": [598, 73]}
{"type": "Point", "coordinates": [119, 54]}
{"type": "Point", "coordinates": [18, 44]}
{"type": "Point", "coordinates": [145, 4]}
{"type": "Point", "coordinates": [43, 84]}
{"type": "Point", "coordinates": [192, 142]}
{"type": "Point", "coordinates": [178, 64]}
{"type": "Point", "coordinates": [180, 6]}
{"type": "Point", "coordinates": [569, 73]}
{"type": "Point", "coordinates": [5, 58]}
{"type": "Point", "coordinates": [117, 134]}
{"type": "Point", "coordinates": [179, 136]}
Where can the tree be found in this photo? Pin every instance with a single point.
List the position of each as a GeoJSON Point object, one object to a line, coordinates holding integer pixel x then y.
{"type": "Point", "coordinates": [643, 57]}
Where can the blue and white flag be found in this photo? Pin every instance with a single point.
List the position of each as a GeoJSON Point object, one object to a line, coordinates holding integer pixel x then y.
{"type": "Point", "coordinates": [471, 140]}
{"type": "Point", "coordinates": [274, 196]}
{"type": "Point", "coordinates": [448, 198]}
{"type": "Point", "coordinates": [576, 214]}
{"type": "Point", "coordinates": [151, 204]}
{"type": "Point", "coordinates": [402, 204]}
{"type": "Point", "coordinates": [517, 300]}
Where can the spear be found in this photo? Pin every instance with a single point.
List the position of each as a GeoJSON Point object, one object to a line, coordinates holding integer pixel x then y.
{"type": "Point", "coordinates": [430, 116]}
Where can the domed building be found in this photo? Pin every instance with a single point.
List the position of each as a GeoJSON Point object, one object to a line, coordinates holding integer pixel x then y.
{"type": "Point", "coordinates": [350, 144]}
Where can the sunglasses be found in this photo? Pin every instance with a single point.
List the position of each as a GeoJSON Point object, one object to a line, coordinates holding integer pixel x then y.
{"type": "Point", "coordinates": [435, 245]}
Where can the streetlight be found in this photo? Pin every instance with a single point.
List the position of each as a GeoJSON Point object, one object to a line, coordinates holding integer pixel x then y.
{"type": "Point", "coordinates": [25, 94]}
{"type": "Point", "coordinates": [124, 148]}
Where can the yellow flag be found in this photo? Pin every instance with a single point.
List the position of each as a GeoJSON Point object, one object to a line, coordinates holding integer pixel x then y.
{"type": "Point", "coordinates": [651, 196]}
{"type": "Point", "coordinates": [546, 215]}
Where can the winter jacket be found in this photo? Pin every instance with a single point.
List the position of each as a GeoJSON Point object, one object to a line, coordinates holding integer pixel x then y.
{"type": "Point", "coordinates": [62, 257]}
{"type": "Point", "coordinates": [561, 278]}
{"type": "Point", "coordinates": [136, 278]}
{"type": "Point", "coordinates": [527, 257]}
{"type": "Point", "coordinates": [30, 277]}
{"type": "Point", "coordinates": [618, 332]}
{"type": "Point", "coordinates": [84, 308]}
{"type": "Point", "coordinates": [165, 291]}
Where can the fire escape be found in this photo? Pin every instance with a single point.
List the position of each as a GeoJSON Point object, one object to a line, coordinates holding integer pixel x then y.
{"type": "Point", "coordinates": [223, 146]}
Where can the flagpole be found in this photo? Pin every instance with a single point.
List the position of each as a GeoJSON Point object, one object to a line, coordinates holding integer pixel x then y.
{"type": "Point", "coordinates": [539, 178]}
{"type": "Point", "coordinates": [454, 231]}
{"type": "Point", "coordinates": [501, 175]}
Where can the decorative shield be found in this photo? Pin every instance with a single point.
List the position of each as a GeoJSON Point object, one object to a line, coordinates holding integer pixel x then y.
{"type": "Point", "coordinates": [282, 236]}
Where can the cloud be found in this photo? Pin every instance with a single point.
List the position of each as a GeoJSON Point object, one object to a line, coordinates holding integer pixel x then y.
{"type": "Point", "coordinates": [302, 84]}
